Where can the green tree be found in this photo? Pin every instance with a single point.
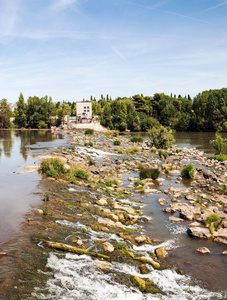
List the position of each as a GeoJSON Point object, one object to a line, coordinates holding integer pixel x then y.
{"type": "Point", "coordinates": [5, 114]}
{"type": "Point", "coordinates": [21, 112]}
{"type": "Point", "coordinates": [161, 137]}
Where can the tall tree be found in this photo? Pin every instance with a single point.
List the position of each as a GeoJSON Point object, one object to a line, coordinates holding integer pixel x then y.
{"type": "Point", "coordinates": [5, 114]}
{"type": "Point", "coordinates": [21, 117]}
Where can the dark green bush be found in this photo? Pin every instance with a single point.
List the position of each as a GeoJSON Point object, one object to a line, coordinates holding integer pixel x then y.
{"type": "Point", "coordinates": [188, 171]}
{"type": "Point", "coordinates": [52, 167]}
{"type": "Point", "coordinates": [148, 172]}
{"type": "Point", "coordinates": [89, 131]}
{"type": "Point", "coordinates": [117, 142]}
{"type": "Point", "coordinates": [136, 139]}
{"type": "Point", "coordinates": [90, 144]}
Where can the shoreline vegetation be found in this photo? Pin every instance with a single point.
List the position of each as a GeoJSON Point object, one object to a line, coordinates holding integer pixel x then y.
{"type": "Point", "coordinates": [206, 112]}
{"type": "Point", "coordinates": [200, 201]}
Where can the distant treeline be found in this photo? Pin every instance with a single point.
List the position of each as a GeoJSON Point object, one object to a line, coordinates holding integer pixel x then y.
{"type": "Point", "coordinates": [206, 112]}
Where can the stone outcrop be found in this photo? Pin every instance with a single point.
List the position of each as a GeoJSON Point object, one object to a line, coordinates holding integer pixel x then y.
{"type": "Point", "coordinates": [199, 232]}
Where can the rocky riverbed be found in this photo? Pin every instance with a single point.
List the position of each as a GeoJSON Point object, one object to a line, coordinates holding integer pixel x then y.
{"type": "Point", "coordinates": [102, 218]}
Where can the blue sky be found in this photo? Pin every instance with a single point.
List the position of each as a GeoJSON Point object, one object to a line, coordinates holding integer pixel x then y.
{"type": "Point", "coordinates": [71, 49]}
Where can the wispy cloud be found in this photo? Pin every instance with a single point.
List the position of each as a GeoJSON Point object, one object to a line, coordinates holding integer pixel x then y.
{"type": "Point", "coordinates": [62, 4]}
{"type": "Point", "coordinates": [216, 6]}
{"type": "Point", "coordinates": [156, 7]}
{"type": "Point", "coordinates": [119, 53]}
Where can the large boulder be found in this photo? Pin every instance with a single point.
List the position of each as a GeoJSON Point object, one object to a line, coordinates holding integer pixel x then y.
{"type": "Point", "coordinates": [199, 232]}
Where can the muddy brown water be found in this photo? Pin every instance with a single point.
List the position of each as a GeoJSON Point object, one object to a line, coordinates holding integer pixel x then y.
{"type": "Point", "coordinates": [21, 193]}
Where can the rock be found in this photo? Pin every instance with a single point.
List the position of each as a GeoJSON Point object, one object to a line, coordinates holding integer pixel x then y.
{"type": "Point", "coordinates": [147, 259]}
{"type": "Point", "coordinates": [199, 232]}
{"type": "Point", "coordinates": [195, 224]}
{"type": "Point", "coordinates": [161, 252]}
{"type": "Point", "coordinates": [40, 211]}
{"type": "Point", "coordinates": [140, 283]}
{"type": "Point", "coordinates": [203, 250]}
{"type": "Point", "coordinates": [94, 170]}
{"type": "Point", "coordinates": [175, 219]}
{"type": "Point", "coordinates": [113, 217]}
{"type": "Point", "coordinates": [224, 252]}
{"type": "Point", "coordinates": [143, 269]}
{"type": "Point", "coordinates": [142, 239]}
{"type": "Point", "coordinates": [108, 247]}
{"type": "Point", "coordinates": [169, 210]}
{"type": "Point", "coordinates": [221, 235]}
{"type": "Point", "coordinates": [101, 201]}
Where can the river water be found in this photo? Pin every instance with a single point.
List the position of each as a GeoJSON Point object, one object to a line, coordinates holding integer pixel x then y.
{"type": "Point", "coordinates": [20, 193]}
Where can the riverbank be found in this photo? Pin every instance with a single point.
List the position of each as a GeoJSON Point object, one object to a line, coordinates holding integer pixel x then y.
{"type": "Point", "coordinates": [104, 215]}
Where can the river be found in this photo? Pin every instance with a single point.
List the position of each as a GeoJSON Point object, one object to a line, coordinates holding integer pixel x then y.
{"type": "Point", "coordinates": [20, 193]}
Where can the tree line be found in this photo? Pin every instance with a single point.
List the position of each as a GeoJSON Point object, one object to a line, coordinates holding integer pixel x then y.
{"type": "Point", "coordinates": [206, 112]}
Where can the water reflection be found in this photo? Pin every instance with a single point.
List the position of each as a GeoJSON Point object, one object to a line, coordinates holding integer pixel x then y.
{"type": "Point", "coordinates": [19, 148]}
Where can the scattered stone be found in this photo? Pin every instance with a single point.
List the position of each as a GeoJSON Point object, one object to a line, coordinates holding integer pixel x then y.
{"type": "Point", "coordinates": [203, 250]}
{"type": "Point", "coordinates": [161, 252]}
{"type": "Point", "coordinates": [108, 247]}
{"type": "Point", "coordinates": [175, 219]}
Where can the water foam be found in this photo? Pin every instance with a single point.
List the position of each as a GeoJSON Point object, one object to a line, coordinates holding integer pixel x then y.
{"type": "Point", "coordinates": [80, 277]}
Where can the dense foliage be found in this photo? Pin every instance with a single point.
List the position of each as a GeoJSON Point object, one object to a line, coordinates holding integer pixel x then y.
{"type": "Point", "coordinates": [188, 171]}
{"type": "Point", "coordinates": [207, 112]}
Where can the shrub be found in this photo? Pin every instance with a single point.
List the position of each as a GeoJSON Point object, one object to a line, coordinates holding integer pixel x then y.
{"type": "Point", "coordinates": [117, 142]}
{"type": "Point", "coordinates": [214, 221]}
{"type": "Point", "coordinates": [220, 144]}
{"type": "Point", "coordinates": [90, 144]}
{"type": "Point", "coordinates": [120, 151]}
{"type": "Point", "coordinates": [136, 139]}
{"type": "Point", "coordinates": [188, 171]}
{"type": "Point", "coordinates": [52, 167]}
{"type": "Point", "coordinates": [162, 154]}
{"type": "Point", "coordinates": [85, 144]}
{"type": "Point", "coordinates": [148, 172]}
{"type": "Point", "coordinates": [111, 182]}
{"type": "Point", "coordinates": [161, 137]}
{"type": "Point", "coordinates": [153, 150]}
{"type": "Point", "coordinates": [89, 131]}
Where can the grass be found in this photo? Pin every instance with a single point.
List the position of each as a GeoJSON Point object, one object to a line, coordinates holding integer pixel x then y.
{"type": "Point", "coordinates": [46, 197]}
{"type": "Point", "coordinates": [188, 171]}
{"type": "Point", "coordinates": [73, 173]}
{"type": "Point", "coordinates": [119, 245]}
{"type": "Point", "coordinates": [138, 182]}
{"type": "Point", "coordinates": [162, 154]}
{"type": "Point", "coordinates": [52, 167]}
{"type": "Point", "coordinates": [132, 150]}
{"type": "Point", "coordinates": [136, 139]}
{"type": "Point", "coordinates": [148, 172]}
{"type": "Point", "coordinates": [219, 157]}
{"type": "Point", "coordinates": [117, 142]}
{"type": "Point", "coordinates": [111, 182]}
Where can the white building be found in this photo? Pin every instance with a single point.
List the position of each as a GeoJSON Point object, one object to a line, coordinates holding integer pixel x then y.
{"type": "Point", "coordinates": [84, 112]}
